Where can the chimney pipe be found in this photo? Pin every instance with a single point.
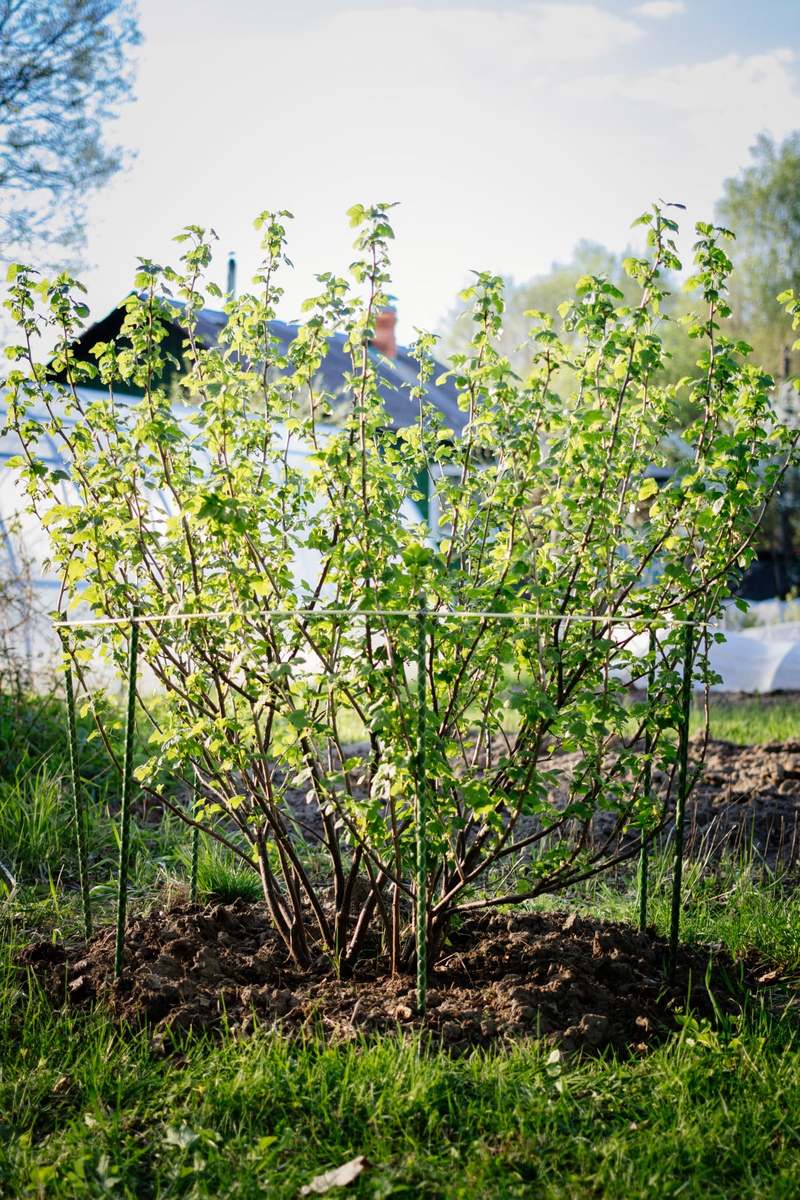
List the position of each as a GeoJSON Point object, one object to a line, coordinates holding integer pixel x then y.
{"type": "Point", "coordinates": [231, 288]}
{"type": "Point", "coordinates": [385, 341]}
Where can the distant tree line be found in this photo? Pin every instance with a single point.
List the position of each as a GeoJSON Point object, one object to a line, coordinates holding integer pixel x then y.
{"type": "Point", "coordinates": [762, 207]}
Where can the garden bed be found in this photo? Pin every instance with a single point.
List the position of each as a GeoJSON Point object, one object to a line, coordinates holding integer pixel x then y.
{"type": "Point", "coordinates": [746, 797]}
{"type": "Point", "coordinates": [582, 983]}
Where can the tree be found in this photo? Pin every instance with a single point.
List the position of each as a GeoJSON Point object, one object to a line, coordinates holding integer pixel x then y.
{"type": "Point", "coordinates": [63, 73]}
{"type": "Point", "coordinates": [545, 292]}
{"type": "Point", "coordinates": [762, 206]}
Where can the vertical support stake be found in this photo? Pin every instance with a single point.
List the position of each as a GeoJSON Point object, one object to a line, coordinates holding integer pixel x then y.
{"type": "Point", "coordinates": [680, 804]}
{"type": "Point", "coordinates": [195, 850]}
{"type": "Point", "coordinates": [127, 789]}
{"type": "Point", "coordinates": [644, 852]}
{"type": "Point", "coordinates": [78, 807]}
{"type": "Point", "coordinates": [422, 832]}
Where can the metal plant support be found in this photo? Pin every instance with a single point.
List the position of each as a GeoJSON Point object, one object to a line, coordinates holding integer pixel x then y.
{"type": "Point", "coordinates": [127, 790]}
{"type": "Point", "coordinates": [78, 806]}
{"type": "Point", "coordinates": [680, 804]}
{"type": "Point", "coordinates": [644, 852]}
{"type": "Point", "coordinates": [422, 832]}
{"type": "Point", "coordinates": [195, 851]}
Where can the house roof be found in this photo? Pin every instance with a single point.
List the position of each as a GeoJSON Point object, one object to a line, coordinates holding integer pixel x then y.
{"type": "Point", "coordinates": [396, 377]}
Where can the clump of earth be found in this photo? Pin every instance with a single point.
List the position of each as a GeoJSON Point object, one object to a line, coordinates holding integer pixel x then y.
{"type": "Point", "coordinates": [581, 983]}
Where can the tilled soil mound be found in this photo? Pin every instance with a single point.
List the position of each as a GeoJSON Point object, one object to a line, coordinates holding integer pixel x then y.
{"type": "Point", "coordinates": [581, 983]}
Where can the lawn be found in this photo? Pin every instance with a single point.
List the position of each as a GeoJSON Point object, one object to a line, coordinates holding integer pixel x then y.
{"type": "Point", "coordinates": [87, 1110]}
{"type": "Point", "coordinates": [752, 719]}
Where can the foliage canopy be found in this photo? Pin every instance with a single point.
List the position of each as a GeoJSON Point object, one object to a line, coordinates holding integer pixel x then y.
{"type": "Point", "coordinates": [545, 292]}
{"type": "Point", "coordinates": [546, 508]}
{"type": "Point", "coordinates": [762, 204]}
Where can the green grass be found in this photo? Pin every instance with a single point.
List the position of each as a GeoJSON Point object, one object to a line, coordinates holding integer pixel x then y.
{"type": "Point", "coordinates": [36, 834]}
{"type": "Point", "coordinates": [37, 837]}
{"type": "Point", "coordinates": [87, 1111]}
{"type": "Point", "coordinates": [730, 902]}
{"type": "Point", "coordinates": [90, 1111]}
{"type": "Point", "coordinates": [35, 828]}
{"type": "Point", "coordinates": [222, 877]}
{"type": "Point", "coordinates": [33, 729]}
{"type": "Point", "coordinates": [755, 720]}
{"type": "Point", "coordinates": [752, 720]}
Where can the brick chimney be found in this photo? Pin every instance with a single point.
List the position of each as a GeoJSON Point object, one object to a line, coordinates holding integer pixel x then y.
{"type": "Point", "coordinates": [385, 341]}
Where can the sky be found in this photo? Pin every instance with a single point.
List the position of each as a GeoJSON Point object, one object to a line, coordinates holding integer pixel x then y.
{"type": "Point", "coordinates": [506, 130]}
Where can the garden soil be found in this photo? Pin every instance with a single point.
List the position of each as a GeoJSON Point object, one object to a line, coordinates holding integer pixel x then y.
{"type": "Point", "coordinates": [580, 983]}
{"type": "Point", "coordinates": [747, 796]}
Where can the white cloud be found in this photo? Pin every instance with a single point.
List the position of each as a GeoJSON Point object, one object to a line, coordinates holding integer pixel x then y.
{"type": "Point", "coordinates": [679, 131]}
{"type": "Point", "coordinates": [460, 39]}
{"type": "Point", "coordinates": [660, 10]}
{"type": "Point", "coordinates": [506, 132]}
{"type": "Point", "coordinates": [444, 109]}
{"type": "Point", "coordinates": [731, 97]}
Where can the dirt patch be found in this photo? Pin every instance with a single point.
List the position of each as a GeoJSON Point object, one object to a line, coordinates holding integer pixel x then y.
{"type": "Point", "coordinates": [748, 794]}
{"type": "Point", "coordinates": [745, 796]}
{"type": "Point", "coordinates": [581, 983]}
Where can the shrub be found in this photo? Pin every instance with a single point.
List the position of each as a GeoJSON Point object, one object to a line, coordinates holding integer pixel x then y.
{"type": "Point", "coordinates": [545, 509]}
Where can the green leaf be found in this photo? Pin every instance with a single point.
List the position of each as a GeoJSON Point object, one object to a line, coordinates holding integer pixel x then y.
{"type": "Point", "coordinates": [647, 489]}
